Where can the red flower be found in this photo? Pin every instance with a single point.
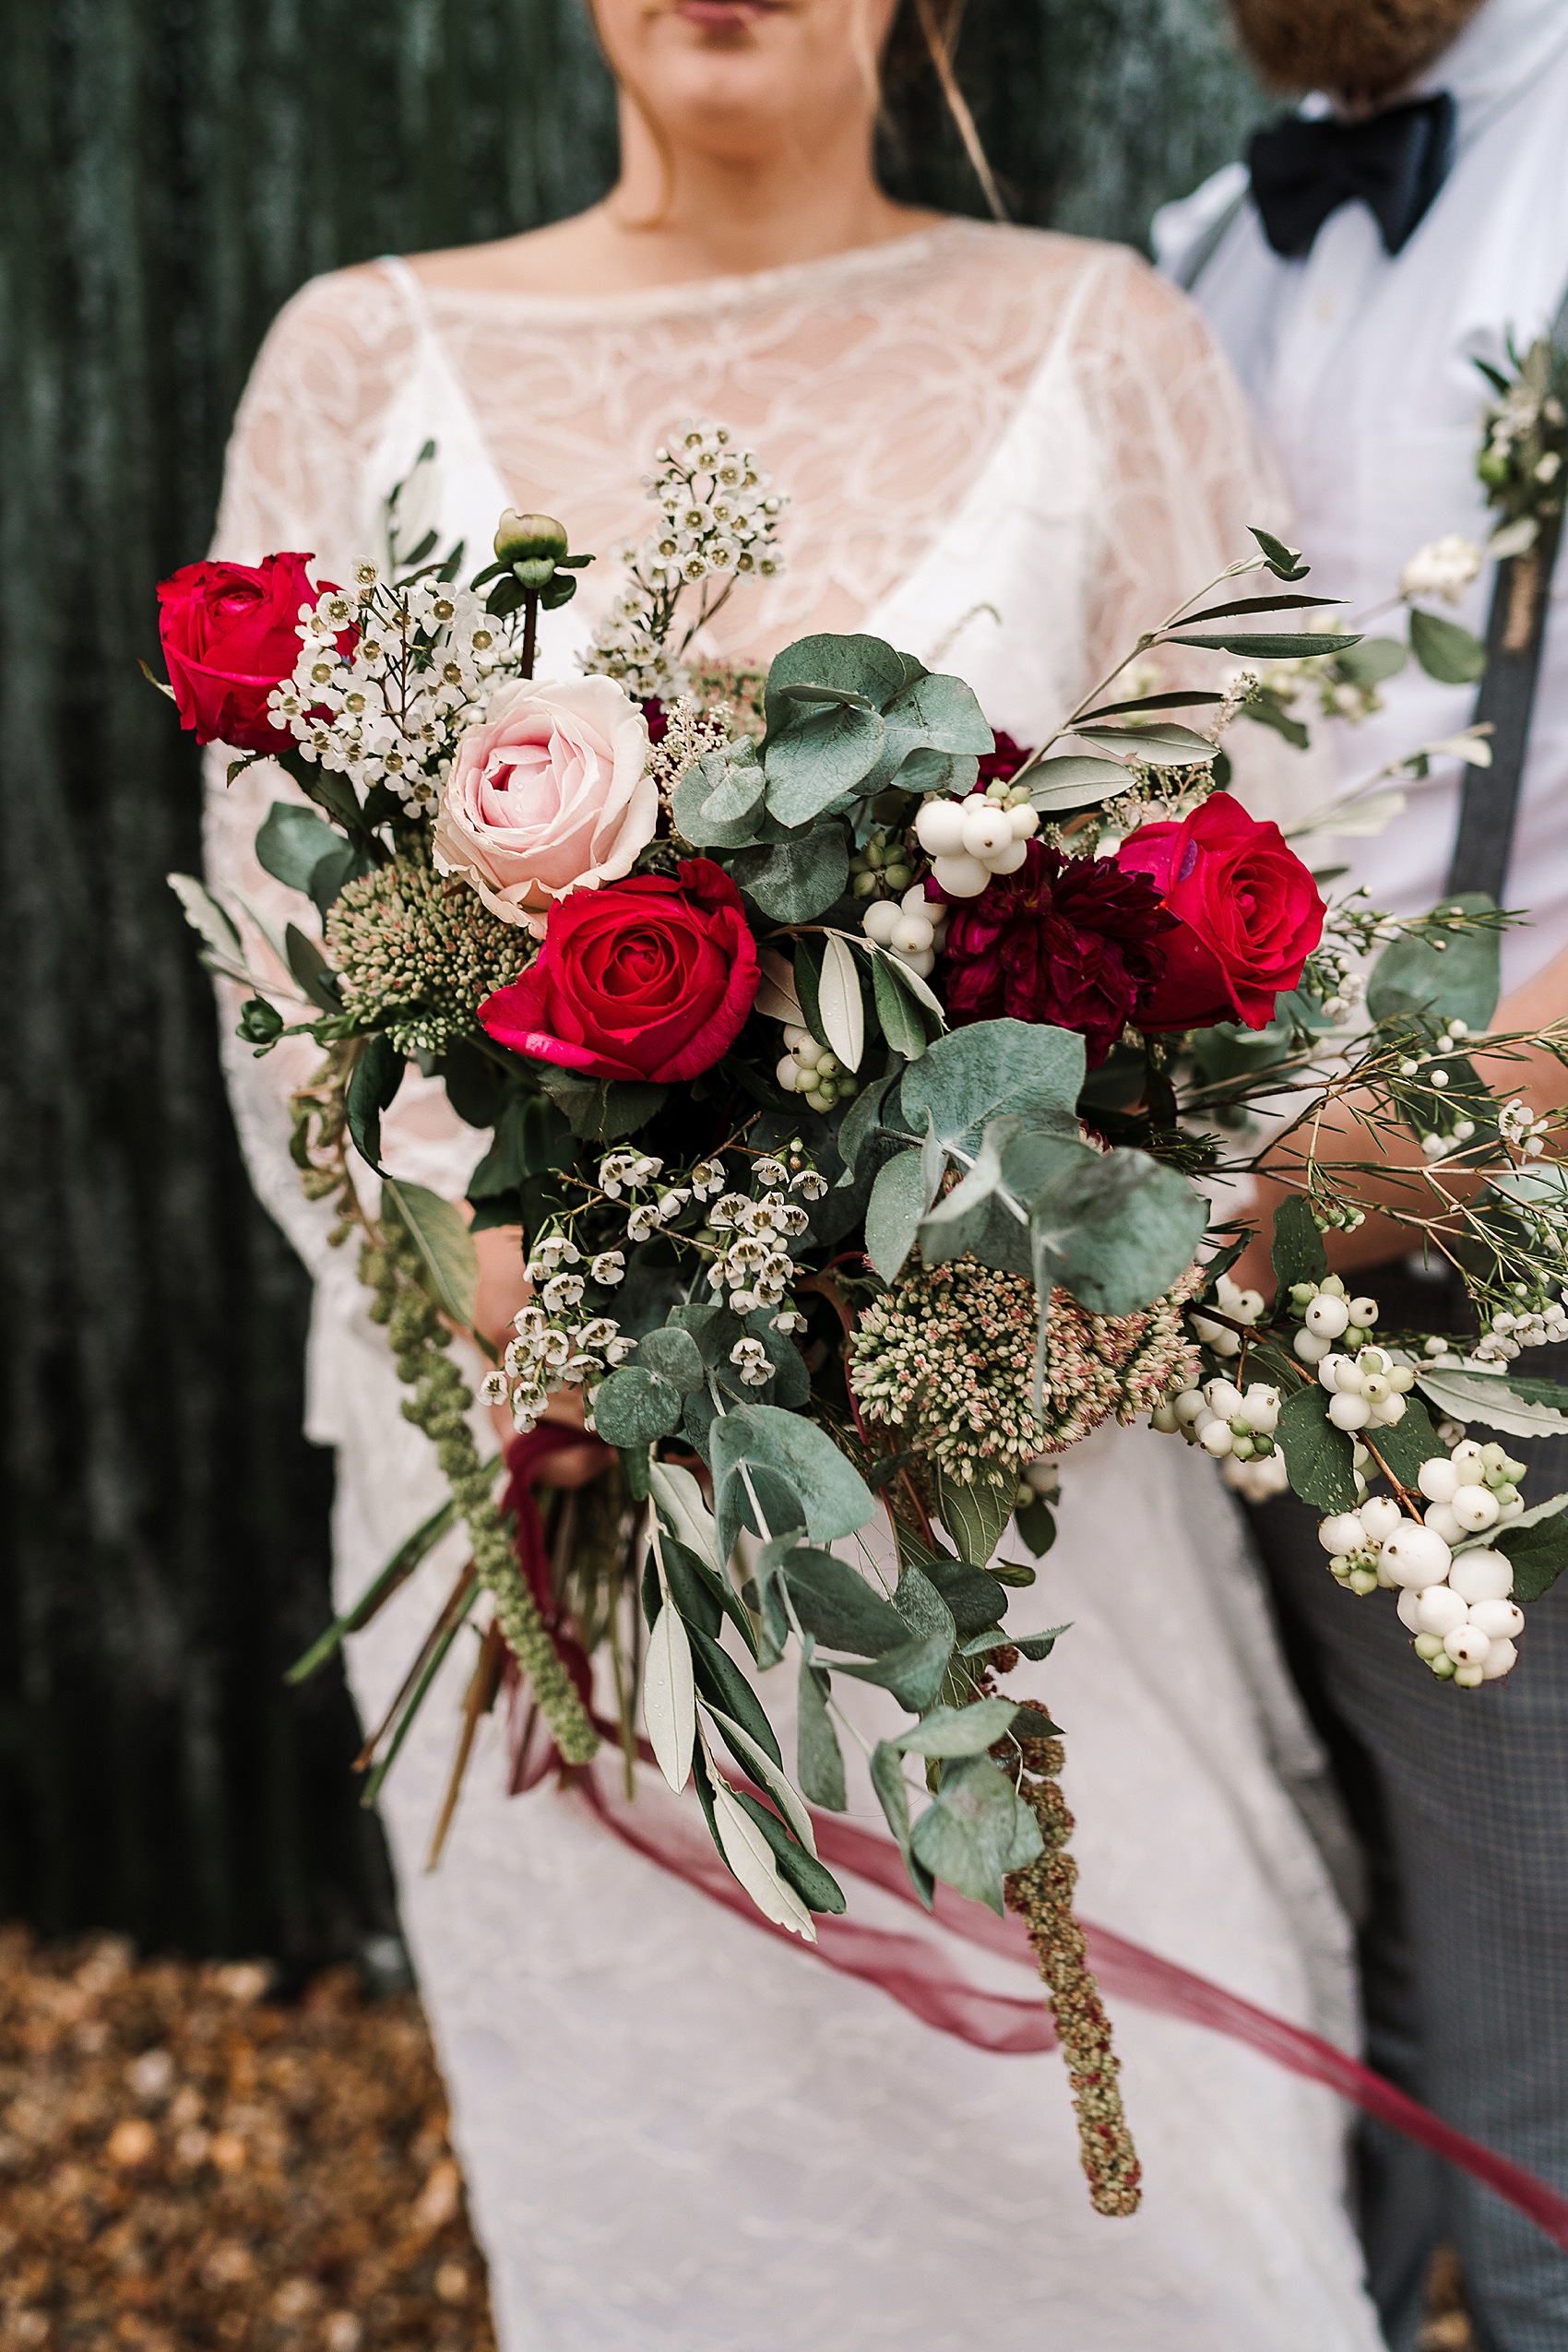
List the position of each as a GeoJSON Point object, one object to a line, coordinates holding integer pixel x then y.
{"type": "Point", "coordinates": [1248, 911]}
{"type": "Point", "coordinates": [230, 635]}
{"type": "Point", "coordinates": [1066, 939]}
{"type": "Point", "coordinates": [1001, 763]}
{"type": "Point", "coordinates": [642, 979]}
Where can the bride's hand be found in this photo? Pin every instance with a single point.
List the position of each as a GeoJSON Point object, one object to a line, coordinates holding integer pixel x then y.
{"type": "Point", "coordinates": [502, 1289]}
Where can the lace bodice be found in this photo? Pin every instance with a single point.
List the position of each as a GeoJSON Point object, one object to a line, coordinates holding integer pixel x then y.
{"type": "Point", "coordinates": [873, 384]}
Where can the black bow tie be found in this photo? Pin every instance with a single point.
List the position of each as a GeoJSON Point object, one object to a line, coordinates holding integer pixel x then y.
{"type": "Point", "coordinates": [1393, 163]}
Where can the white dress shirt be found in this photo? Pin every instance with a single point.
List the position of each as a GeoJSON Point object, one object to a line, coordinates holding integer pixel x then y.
{"type": "Point", "coordinates": [1362, 368]}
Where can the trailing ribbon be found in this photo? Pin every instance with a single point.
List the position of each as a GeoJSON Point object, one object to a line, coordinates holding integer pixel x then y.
{"type": "Point", "coordinates": [915, 1972]}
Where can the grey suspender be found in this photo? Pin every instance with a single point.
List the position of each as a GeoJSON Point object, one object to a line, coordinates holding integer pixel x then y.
{"type": "Point", "coordinates": [1489, 801]}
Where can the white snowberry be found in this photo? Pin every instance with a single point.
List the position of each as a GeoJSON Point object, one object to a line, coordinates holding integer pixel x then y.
{"type": "Point", "coordinates": [1223, 1397]}
{"type": "Point", "coordinates": [881, 919]}
{"type": "Point", "coordinates": [938, 828]}
{"type": "Point", "coordinates": [1260, 1408]}
{"type": "Point", "coordinates": [1327, 1316]}
{"type": "Point", "coordinates": [1439, 1609]}
{"type": "Point", "coordinates": [1381, 1517]}
{"type": "Point", "coordinates": [1214, 1437]}
{"type": "Point", "coordinates": [1466, 1645]}
{"type": "Point", "coordinates": [1348, 1412]}
{"type": "Point", "coordinates": [1469, 1461]}
{"type": "Point", "coordinates": [1363, 1311]}
{"type": "Point", "coordinates": [911, 936]}
{"type": "Point", "coordinates": [1475, 1507]}
{"type": "Point", "coordinates": [1190, 1405]}
{"type": "Point", "coordinates": [1438, 1479]}
{"type": "Point", "coordinates": [1342, 1534]}
{"type": "Point", "coordinates": [1501, 1658]}
{"type": "Point", "coordinates": [1417, 1555]}
{"type": "Point", "coordinates": [1439, 1518]}
{"type": "Point", "coordinates": [1499, 1620]}
{"type": "Point", "coordinates": [1482, 1575]}
{"type": "Point", "coordinates": [789, 1074]}
{"type": "Point", "coordinates": [1310, 1347]}
{"type": "Point", "coordinates": [960, 876]}
{"type": "Point", "coordinates": [985, 828]}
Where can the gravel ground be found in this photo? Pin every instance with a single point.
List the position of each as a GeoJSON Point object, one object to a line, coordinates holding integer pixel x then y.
{"type": "Point", "coordinates": [188, 2166]}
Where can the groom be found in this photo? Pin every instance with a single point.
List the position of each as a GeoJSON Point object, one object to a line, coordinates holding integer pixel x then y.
{"type": "Point", "coordinates": [1416, 215]}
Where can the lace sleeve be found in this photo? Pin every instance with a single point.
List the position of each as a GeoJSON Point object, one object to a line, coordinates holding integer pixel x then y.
{"type": "Point", "coordinates": [305, 426]}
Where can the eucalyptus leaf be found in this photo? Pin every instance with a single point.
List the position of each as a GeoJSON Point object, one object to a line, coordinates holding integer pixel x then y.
{"type": "Point", "coordinates": [821, 754]}
{"type": "Point", "coordinates": [634, 1408]}
{"type": "Point", "coordinates": [921, 1607]}
{"type": "Point", "coordinates": [958, 1731]}
{"type": "Point", "coordinates": [1116, 1231]}
{"type": "Point", "coordinates": [290, 843]}
{"type": "Point", "coordinates": [674, 1354]}
{"type": "Point", "coordinates": [795, 881]}
{"type": "Point", "coordinates": [914, 1674]}
{"type": "Point", "coordinates": [893, 1796]}
{"type": "Point", "coordinates": [716, 802]}
{"type": "Point", "coordinates": [1376, 658]}
{"type": "Point", "coordinates": [901, 1026]}
{"type": "Point", "coordinates": [1446, 651]}
{"type": "Point", "coordinates": [898, 1200]}
{"type": "Point", "coordinates": [835, 1498]}
{"type": "Point", "coordinates": [1461, 978]}
{"type": "Point", "coordinates": [976, 1829]}
{"type": "Point", "coordinates": [834, 1602]}
{"type": "Point", "coordinates": [989, 1068]}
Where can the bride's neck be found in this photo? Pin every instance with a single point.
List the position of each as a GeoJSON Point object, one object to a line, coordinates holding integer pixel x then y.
{"type": "Point", "coordinates": [684, 212]}
{"type": "Point", "coordinates": [679, 214]}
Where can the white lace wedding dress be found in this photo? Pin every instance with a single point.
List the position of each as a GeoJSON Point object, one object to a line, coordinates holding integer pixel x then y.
{"type": "Point", "coordinates": [1005, 451]}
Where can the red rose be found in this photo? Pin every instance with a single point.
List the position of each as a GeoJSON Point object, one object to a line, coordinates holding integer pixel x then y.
{"type": "Point", "coordinates": [642, 979]}
{"type": "Point", "coordinates": [1074, 941]}
{"type": "Point", "coordinates": [1249, 916]}
{"type": "Point", "coordinates": [230, 633]}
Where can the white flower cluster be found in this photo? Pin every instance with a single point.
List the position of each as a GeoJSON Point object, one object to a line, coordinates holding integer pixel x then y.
{"type": "Point", "coordinates": [388, 680]}
{"type": "Point", "coordinates": [969, 840]}
{"type": "Point", "coordinates": [718, 519]}
{"type": "Point", "coordinates": [1520, 1131]}
{"type": "Point", "coordinates": [1439, 1142]}
{"type": "Point", "coordinates": [912, 928]}
{"type": "Point", "coordinates": [1509, 1334]}
{"type": "Point", "coordinates": [1443, 567]}
{"type": "Point", "coordinates": [555, 1347]}
{"type": "Point", "coordinates": [1455, 1601]}
{"type": "Point", "coordinates": [752, 1269]}
{"type": "Point", "coordinates": [809, 1070]}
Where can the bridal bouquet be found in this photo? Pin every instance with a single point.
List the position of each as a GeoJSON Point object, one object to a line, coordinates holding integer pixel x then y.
{"type": "Point", "coordinates": [852, 1077]}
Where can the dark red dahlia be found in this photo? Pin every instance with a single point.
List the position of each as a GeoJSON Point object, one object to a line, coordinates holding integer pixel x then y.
{"type": "Point", "coordinates": [1072, 941]}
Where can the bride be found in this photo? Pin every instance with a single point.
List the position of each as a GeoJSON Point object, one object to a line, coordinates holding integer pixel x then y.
{"type": "Point", "coordinates": [1007, 451]}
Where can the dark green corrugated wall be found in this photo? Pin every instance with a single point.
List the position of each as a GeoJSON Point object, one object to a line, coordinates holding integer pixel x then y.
{"type": "Point", "coordinates": [170, 170]}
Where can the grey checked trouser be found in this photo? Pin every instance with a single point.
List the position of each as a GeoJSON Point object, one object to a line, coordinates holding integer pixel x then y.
{"type": "Point", "coordinates": [1460, 1799]}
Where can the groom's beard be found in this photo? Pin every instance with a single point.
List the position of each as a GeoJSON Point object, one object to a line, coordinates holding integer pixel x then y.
{"type": "Point", "coordinates": [1357, 49]}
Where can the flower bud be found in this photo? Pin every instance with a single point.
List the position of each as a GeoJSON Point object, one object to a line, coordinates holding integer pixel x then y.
{"type": "Point", "coordinates": [529, 539]}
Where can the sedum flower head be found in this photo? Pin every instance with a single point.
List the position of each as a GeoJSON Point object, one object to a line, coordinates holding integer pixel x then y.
{"type": "Point", "coordinates": [417, 952]}
{"type": "Point", "coordinates": [949, 1356]}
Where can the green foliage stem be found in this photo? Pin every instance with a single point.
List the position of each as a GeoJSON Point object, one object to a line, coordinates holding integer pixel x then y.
{"type": "Point", "coordinates": [440, 1406]}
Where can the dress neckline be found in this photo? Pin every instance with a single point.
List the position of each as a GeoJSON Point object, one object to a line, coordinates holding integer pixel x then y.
{"type": "Point", "coordinates": [697, 294]}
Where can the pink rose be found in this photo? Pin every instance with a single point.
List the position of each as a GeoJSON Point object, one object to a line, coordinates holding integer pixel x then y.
{"type": "Point", "coordinates": [551, 793]}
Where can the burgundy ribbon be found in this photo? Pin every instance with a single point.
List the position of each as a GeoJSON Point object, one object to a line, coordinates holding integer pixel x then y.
{"type": "Point", "coordinates": [919, 1975]}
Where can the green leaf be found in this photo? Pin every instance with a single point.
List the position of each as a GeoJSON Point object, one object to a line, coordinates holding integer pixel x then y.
{"type": "Point", "coordinates": [1115, 1230]}
{"type": "Point", "coordinates": [373, 1084]}
{"type": "Point", "coordinates": [717, 802]}
{"type": "Point", "coordinates": [1297, 1254]}
{"type": "Point", "coordinates": [993, 1068]}
{"type": "Point", "coordinates": [848, 663]}
{"type": "Point", "coordinates": [675, 1355]}
{"type": "Point", "coordinates": [600, 1110]}
{"type": "Point", "coordinates": [312, 969]}
{"type": "Point", "coordinates": [958, 1731]}
{"type": "Point", "coordinates": [669, 1696]}
{"type": "Point", "coordinates": [211, 921]}
{"type": "Point", "coordinates": [1405, 1444]}
{"type": "Point", "coordinates": [808, 974]}
{"type": "Point", "coordinates": [1256, 604]}
{"type": "Point", "coordinates": [1376, 658]}
{"type": "Point", "coordinates": [290, 843]}
{"type": "Point", "coordinates": [921, 1607]}
{"type": "Point", "coordinates": [1189, 698]}
{"type": "Point", "coordinates": [834, 1602]}
{"type": "Point", "coordinates": [1167, 745]}
{"type": "Point", "coordinates": [835, 1498]}
{"type": "Point", "coordinates": [976, 1514]}
{"type": "Point", "coordinates": [839, 1001]}
{"type": "Point", "coordinates": [440, 1234]}
{"type": "Point", "coordinates": [1036, 1524]}
{"type": "Point", "coordinates": [975, 1830]}
{"type": "Point", "coordinates": [1284, 561]}
{"type": "Point", "coordinates": [823, 752]}
{"type": "Point", "coordinates": [1074, 780]}
{"type": "Point", "coordinates": [893, 1796]}
{"type": "Point", "coordinates": [749, 1852]}
{"type": "Point", "coordinates": [1539, 1554]}
{"type": "Point", "coordinates": [1482, 1396]}
{"type": "Point", "coordinates": [634, 1408]}
{"type": "Point", "coordinates": [897, 1203]}
{"type": "Point", "coordinates": [1446, 651]}
{"type": "Point", "coordinates": [815, 1884]}
{"type": "Point", "coordinates": [901, 1025]}
{"type": "Point", "coordinates": [795, 881]}
{"type": "Point", "coordinates": [771, 1775]}
{"type": "Point", "coordinates": [914, 1674]}
{"type": "Point", "coordinates": [1461, 979]}
{"type": "Point", "coordinates": [1270, 647]}
{"type": "Point", "coordinates": [973, 1597]}
{"type": "Point", "coordinates": [1319, 1459]}
{"type": "Point", "coordinates": [726, 1689]}
{"type": "Point", "coordinates": [819, 1759]}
